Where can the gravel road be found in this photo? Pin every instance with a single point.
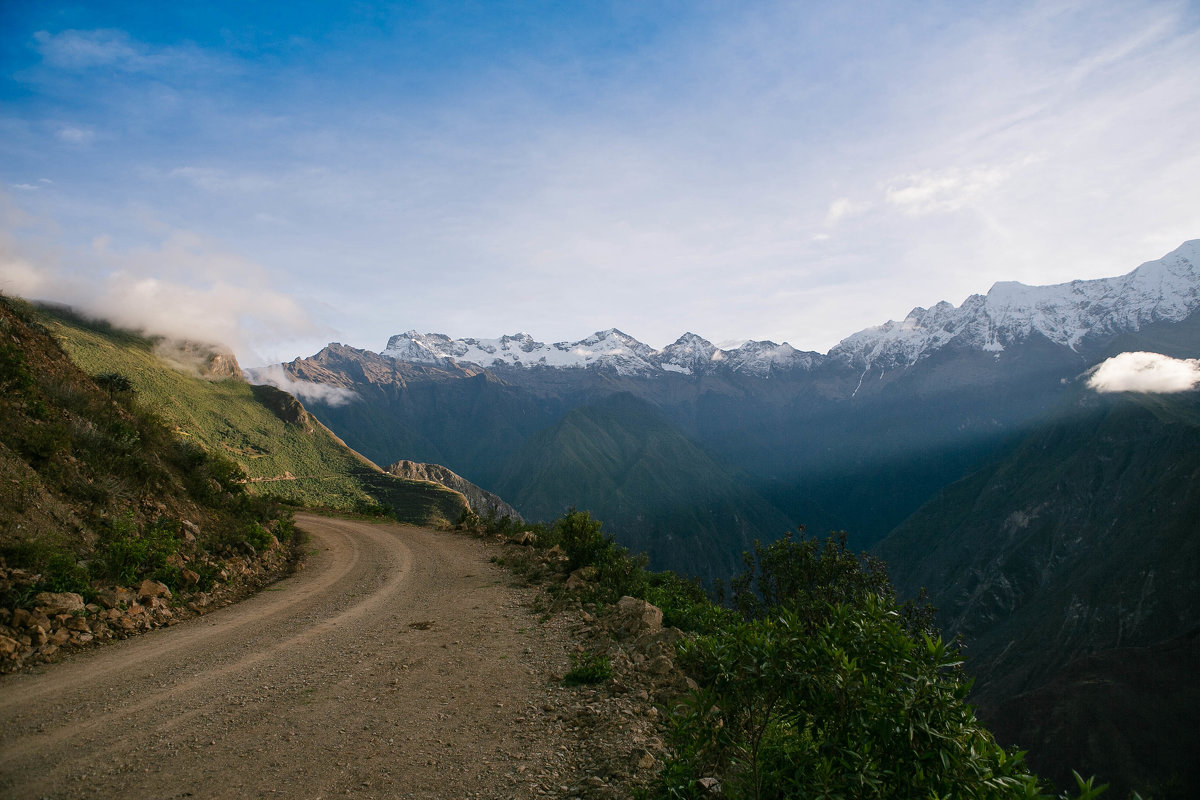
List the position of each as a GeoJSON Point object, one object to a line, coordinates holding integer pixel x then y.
{"type": "Point", "coordinates": [398, 663]}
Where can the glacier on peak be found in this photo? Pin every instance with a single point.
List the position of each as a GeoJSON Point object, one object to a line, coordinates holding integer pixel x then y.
{"type": "Point", "coordinates": [613, 349]}
{"type": "Point", "coordinates": [1167, 289]}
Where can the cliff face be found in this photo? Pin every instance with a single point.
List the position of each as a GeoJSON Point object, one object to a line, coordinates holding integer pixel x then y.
{"type": "Point", "coordinates": [481, 502]}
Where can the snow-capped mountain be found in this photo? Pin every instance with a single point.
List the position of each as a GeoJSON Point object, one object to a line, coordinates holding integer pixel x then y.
{"type": "Point", "coordinates": [1067, 314]}
{"type": "Point", "coordinates": [610, 349]}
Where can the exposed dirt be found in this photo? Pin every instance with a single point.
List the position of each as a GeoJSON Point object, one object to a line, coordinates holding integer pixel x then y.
{"type": "Point", "coordinates": [398, 663]}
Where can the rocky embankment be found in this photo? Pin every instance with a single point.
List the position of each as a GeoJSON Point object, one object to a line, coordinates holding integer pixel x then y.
{"type": "Point", "coordinates": [614, 732]}
{"type": "Point", "coordinates": [57, 622]}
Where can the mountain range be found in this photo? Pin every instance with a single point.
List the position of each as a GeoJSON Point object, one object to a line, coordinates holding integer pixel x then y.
{"type": "Point", "coordinates": [855, 439]}
{"type": "Point", "coordinates": [1054, 528]}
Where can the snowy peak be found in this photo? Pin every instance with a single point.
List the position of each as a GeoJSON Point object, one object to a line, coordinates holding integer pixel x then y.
{"type": "Point", "coordinates": [610, 349]}
{"type": "Point", "coordinates": [1067, 314]}
{"type": "Point", "coordinates": [689, 354]}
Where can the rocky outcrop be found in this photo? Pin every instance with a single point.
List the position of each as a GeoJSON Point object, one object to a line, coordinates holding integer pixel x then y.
{"type": "Point", "coordinates": [482, 502]}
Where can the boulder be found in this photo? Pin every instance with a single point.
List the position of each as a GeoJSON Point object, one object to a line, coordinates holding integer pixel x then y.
{"type": "Point", "coordinates": [633, 617]}
{"type": "Point", "coordinates": [660, 642]}
{"type": "Point", "coordinates": [53, 603]}
{"type": "Point", "coordinates": [580, 579]}
{"type": "Point", "coordinates": [524, 538]}
{"type": "Point", "coordinates": [8, 647]}
{"type": "Point", "coordinates": [152, 589]}
{"type": "Point", "coordinates": [659, 665]}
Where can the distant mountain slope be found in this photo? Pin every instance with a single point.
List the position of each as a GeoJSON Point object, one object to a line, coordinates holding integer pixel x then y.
{"type": "Point", "coordinates": [1072, 315]}
{"type": "Point", "coordinates": [482, 503]}
{"type": "Point", "coordinates": [1067, 558]}
{"type": "Point", "coordinates": [624, 462]}
{"type": "Point", "coordinates": [286, 452]}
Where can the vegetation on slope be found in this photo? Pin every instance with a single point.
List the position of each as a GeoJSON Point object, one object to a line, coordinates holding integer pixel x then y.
{"type": "Point", "coordinates": [1071, 567]}
{"type": "Point", "coordinates": [94, 489]}
{"type": "Point", "coordinates": [813, 681]}
{"type": "Point", "coordinates": [287, 454]}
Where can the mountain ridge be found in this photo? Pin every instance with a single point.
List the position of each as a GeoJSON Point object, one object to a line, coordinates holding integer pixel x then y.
{"type": "Point", "coordinates": [1067, 314]}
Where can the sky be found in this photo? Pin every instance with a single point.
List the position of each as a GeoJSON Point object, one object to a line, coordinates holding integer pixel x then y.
{"type": "Point", "coordinates": [276, 176]}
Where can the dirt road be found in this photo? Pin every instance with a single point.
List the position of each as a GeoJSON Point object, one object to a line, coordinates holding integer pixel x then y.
{"type": "Point", "coordinates": [398, 663]}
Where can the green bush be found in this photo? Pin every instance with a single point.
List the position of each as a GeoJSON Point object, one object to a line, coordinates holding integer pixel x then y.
{"type": "Point", "coordinates": [63, 573]}
{"type": "Point", "coordinates": [685, 604]}
{"type": "Point", "coordinates": [823, 686]}
{"type": "Point", "coordinates": [588, 668]}
{"type": "Point", "coordinates": [127, 555]}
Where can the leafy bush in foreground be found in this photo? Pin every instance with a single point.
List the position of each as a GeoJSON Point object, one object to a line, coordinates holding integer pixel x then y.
{"type": "Point", "coordinates": [823, 686]}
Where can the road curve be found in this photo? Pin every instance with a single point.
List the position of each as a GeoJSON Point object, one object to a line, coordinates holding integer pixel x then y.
{"type": "Point", "coordinates": [398, 663]}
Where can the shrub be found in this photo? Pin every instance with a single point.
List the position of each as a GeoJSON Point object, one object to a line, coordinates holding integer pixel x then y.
{"type": "Point", "coordinates": [587, 668]}
{"type": "Point", "coordinates": [823, 686]}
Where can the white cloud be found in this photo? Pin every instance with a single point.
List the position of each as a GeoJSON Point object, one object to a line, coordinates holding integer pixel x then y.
{"type": "Point", "coordinates": [305, 391]}
{"type": "Point", "coordinates": [1145, 372]}
{"type": "Point", "coordinates": [87, 49]}
{"type": "Point", "coordinates": [842, 208]}
{"type": "Point", "coordinates": [76, 136]}
{"type": "Point", "coordinates": [219, 181]}
{"type": "Point", "coordinates": [18, 277]}
{"type": "Point", "coordinates": [184, 287]}
{"type": "Point", "coordinates": [82, 50]}
{"type": "Point", "coordinates": [943, 191]}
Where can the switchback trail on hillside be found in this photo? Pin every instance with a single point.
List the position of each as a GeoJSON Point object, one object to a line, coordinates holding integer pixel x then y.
{"type": "Point", "coordinates": [398, 663]}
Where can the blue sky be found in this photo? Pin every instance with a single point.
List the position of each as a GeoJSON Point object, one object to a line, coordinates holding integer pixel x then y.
{"type": "Point", "coordinates": [279, 175]}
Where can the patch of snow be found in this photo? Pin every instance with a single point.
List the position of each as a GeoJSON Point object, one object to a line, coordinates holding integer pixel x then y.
{"type": "Point", "coordinates": [1164, 290]}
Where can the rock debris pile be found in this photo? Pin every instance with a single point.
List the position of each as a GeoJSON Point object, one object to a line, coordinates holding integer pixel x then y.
{"type": "Point", "coordinates": [56, 622]}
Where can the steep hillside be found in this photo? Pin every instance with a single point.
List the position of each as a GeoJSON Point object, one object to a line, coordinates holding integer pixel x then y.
{"type": "Point", "coordinates": [1063, 564]}
{"type": "Point", "coordinates": [286, 452]}
{"type": "Point", "coordinates": [483, 503]}
{"type": "Point", "coordinates": [100, 503]}
{"type": "Point", "coordinates": [624, 462]}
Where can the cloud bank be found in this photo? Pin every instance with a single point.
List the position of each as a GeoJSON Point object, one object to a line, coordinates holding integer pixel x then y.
{"type": "Point", "coordinates": [305, 391]}
{"type": "Point", "coordinates": [1145, 372]}
{"type": "Point", "coordinates": [183, 287]}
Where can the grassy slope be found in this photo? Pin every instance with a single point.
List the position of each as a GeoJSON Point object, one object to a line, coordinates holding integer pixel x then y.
{"type": "Point", "coordinates": [225, 416]}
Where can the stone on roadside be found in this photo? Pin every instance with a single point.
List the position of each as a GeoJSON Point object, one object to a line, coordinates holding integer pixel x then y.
{"type": "Point", "coordinates": [152, 589]}
{"type": "Point", "coordinates": [634, 617]}
{"type": "Point", "coordinates": [53, 603]}
{"type": "Point", "coordinates": [524, 538]}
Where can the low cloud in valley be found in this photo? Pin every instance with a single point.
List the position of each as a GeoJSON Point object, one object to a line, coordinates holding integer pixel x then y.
{"type": "Point", "coordinates": [305, 391]}
{"type": "Point", "coordinates": [1145, 372]}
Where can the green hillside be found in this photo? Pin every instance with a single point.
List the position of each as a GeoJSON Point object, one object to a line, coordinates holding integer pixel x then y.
{"type": "Point", "coordinates": [658, 492]}
{"type": "Point", "coordinates": [1062, 564]}
{"type": "Point", "coordinates": [286, 452]}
